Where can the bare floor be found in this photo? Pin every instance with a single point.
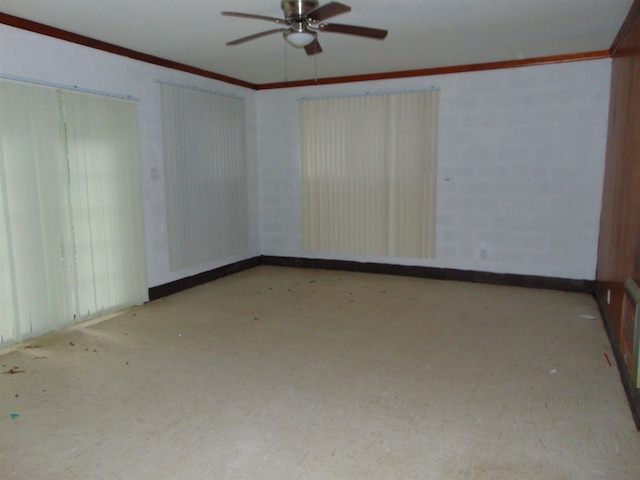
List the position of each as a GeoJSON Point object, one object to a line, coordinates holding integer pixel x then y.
{"type": "Point", "coordinates": [281, 373]}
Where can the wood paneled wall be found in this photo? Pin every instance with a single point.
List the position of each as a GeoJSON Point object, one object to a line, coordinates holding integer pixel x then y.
{"type": "Point", "coordinates": [619, 244]}
{"type": "Point", "coordinates": [619, 248]}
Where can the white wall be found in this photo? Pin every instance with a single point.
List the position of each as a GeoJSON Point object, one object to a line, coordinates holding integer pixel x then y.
{"type": "Point", "coordinates": [520, 168]}
{"type": "Point", "coordinates": [44, 59]}
{"type": "Point", "coordinates": [520, 163]}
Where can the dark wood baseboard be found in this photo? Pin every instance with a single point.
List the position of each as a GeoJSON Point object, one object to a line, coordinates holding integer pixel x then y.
{"type": "Point", "coordinates": [514, 280]}
{"type": "Point", "coordinates": [633, 393]}
{"type": "Point", "coordinates": [508, 279]}
{"type": "Point", "coordinates": [201, 278]}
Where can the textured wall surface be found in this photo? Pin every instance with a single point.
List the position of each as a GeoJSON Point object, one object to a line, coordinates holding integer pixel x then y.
{"type": "Point", "coordinates": [520, 163]}
{"type": "Point", "coordinates": [44, 59]}
{"type": "Point", "coordinates": [520, 167]}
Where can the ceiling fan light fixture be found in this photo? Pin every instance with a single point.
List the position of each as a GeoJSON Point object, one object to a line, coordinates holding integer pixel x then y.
{"type": "Point", "coordinates": [299, 39]}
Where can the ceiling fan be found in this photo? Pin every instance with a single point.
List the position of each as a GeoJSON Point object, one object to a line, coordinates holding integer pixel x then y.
{"type": "Point", "coordinates": [303, 19]}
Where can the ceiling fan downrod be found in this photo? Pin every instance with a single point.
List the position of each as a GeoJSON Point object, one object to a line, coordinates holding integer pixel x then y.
{"type": "Point", "coordinates": [296, 10]}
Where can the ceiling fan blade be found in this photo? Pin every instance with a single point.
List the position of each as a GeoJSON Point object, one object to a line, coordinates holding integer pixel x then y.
{"type": "Point", "coordinates": [255, 35]}
{"type": "Point", "coordinates": [353, 30]}
{"type": "Point", "coordinates": [313, 48]}
{"type": "Point", "coordinates": [251, 15]}
{"type": "Point", "coordinates": [328, 10]}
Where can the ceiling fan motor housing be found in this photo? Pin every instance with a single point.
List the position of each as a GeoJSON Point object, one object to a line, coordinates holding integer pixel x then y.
{"type": "Point", "coordinates": [295, 9]}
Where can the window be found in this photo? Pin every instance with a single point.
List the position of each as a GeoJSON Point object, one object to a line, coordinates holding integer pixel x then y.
{"type": "Point", "coordinates": [368, 166]}
{"type": "Point", "coordinates": [71, 229]}
{"type": "Point", "coordinates": [206, 176]}
{"type": "Point", "coordinates": [106, 202]}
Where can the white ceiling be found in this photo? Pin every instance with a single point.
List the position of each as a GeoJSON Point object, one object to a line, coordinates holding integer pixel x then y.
{"type": "Point", "coordinates": [422, 33]}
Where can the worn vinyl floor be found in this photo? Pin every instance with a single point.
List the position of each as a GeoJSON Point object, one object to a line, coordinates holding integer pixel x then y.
{"type": "Point", "coordinates": [281, 373]}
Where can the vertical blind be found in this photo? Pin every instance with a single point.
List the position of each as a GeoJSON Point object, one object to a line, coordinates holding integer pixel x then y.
{"type": "Point", "coordinates": [206, 176]}
{"type": "Point", "coordinates": [368, 166]}
{"type": "Point", "coordinates": [106, 202]}
{"type": "Point", "coordinates": [71, 234]}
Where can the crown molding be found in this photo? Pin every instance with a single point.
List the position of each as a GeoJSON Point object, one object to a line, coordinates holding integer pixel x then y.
{"type": "Point", "coordinates": [528, 62]}
{"type": "Point", "coordinates": [58, 33]}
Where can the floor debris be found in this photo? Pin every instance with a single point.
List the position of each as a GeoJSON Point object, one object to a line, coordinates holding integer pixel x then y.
{"type": "Point", "coordinates": [13, 371]}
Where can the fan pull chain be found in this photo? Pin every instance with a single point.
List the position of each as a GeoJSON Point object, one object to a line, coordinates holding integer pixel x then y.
{"type": "Point", "coordinates": [315, 68]}
{"type": "Point", "coordinates": [286, 74]}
